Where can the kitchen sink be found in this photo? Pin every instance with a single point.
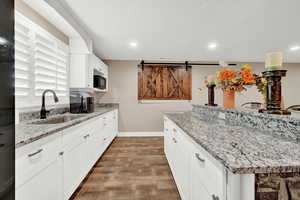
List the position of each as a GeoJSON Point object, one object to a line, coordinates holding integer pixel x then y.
{"type": "Point", "coordinates": [57, 119]}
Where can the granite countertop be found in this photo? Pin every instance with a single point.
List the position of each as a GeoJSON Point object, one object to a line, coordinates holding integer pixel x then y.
{"type": "Point", "coordinates": [27, 133]}
{"type": "Point", "coordinates": [240, 149]}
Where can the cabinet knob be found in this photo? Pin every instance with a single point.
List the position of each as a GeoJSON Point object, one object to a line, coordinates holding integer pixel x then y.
{"type": "Point", "coordinates": [214, 197]}
{"type": "Point", "coordinates": [174, 140]}
{"type": "Point", "coordinates": [174, 130]}
{"type": "Point", "coordinates": [61, 153]}
{"type": "Point", "coordinates": [197, 155]}
{"type": "Point", "coordinates": [2, 145]}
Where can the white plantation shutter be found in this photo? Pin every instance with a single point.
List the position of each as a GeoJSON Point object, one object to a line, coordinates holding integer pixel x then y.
{"type": "Point", "coordinates": [23, 55]}
{"type": "Point", "coordinates": [41, 61]}
{"type": "Point", "coordinates": [62, 54]}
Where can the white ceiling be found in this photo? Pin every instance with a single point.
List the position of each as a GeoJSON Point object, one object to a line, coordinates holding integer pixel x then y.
{"type": "Point", "coordinates": [245, 30]}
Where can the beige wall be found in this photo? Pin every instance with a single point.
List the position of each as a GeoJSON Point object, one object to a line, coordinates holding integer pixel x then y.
{"type": "Point", "coordinates": [25, 10]}
{"type": "Point", "coordinates": [148, 117]}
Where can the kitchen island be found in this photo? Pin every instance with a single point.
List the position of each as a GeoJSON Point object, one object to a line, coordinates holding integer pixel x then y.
{"type": "Point", "coordinates": [245, 155]}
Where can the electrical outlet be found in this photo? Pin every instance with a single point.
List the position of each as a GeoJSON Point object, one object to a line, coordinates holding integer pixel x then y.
{"type": "Point", "coordinates": [222, 115]}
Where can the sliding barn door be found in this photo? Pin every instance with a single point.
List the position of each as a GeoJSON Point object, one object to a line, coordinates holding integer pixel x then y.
{"type": "Point", "coordinates": [165, 83]}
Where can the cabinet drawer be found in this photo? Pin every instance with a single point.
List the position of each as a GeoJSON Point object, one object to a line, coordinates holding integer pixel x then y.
{"type": "Point", "coordinates": [209, 174]}
{"type": "Point", "coordinates": [73, 136]}
{"type": "Point", "coordinates": [34, 157]}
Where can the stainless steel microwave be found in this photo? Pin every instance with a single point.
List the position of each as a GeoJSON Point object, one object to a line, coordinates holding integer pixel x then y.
{"type": "Point", "coordinates": [99, 82]}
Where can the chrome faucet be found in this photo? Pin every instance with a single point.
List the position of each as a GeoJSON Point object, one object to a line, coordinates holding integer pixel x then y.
{"type": "Point", "coordinates": [43, 109]}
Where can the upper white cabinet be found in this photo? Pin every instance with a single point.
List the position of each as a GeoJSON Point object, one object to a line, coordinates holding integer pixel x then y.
{"type": "Point", "coordinates": [82, 68]}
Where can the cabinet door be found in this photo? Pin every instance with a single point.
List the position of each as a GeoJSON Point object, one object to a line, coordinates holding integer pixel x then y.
{"type": "Point", "coordinates": [181, 163]}
{"type": "Point", "coordinates": [46, 185]}
{"type": "Point", "coordinates": [178, 158]}
{"type": "Point", "coordinates": [206, 175]}
{"type": "Point", "coordinates": [75, 165]}
{"type": "Point", "coordinates": [80, 74]}
{"type": "Point", "coordinates": [198, 192]}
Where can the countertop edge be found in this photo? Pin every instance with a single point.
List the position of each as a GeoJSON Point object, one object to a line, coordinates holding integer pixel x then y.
{"type": "Point", "coordinates": [49, 133]}
{"type": "Point", "coordinates": [244, 170]}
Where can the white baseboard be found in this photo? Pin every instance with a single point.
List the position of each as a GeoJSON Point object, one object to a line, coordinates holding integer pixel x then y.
{"type": "Point", "coordinates": [140, 134]}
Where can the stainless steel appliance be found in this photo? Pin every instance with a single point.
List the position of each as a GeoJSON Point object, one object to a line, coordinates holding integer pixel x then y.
{"type": "Point", "coordinates": [99, 82]}
{"type": "Point", "coordinates": [81, 102]}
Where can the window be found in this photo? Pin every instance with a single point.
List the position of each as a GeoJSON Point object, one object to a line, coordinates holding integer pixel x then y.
{"type": "Point", "coordinates": [163, 82]}
{"type": "Point", "coordinates": [41, 62]}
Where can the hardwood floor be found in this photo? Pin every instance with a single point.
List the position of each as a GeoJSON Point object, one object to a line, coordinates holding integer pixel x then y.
{"type": "Point", "coordinates": [133, 168]}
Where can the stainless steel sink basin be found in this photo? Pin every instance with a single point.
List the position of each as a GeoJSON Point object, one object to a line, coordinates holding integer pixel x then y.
{"type": "Point", "coordinates": [57, 119]}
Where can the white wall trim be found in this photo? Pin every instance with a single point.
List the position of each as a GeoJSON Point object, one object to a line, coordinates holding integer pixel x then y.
{"type": "Point", "coordinates": [139, 134]}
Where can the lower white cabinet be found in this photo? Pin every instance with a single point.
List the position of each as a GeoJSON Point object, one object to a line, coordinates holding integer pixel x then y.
{"type": "Point", "coordinates": [178, 158]}
{"type": "Point", "coordinates": [46, 185]}
{"type": "Point", "coordinates": [197, 174]}
{"type": "Point", "coordinates": [53, 167]}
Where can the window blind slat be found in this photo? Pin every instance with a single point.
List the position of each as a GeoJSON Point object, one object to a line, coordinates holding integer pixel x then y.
{"type": "Point", "coordinates": [22, 59]}
{"type": "Point", "coordinates": [41, 60]}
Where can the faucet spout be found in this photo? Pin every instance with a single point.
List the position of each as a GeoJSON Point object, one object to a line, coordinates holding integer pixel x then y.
{"type": "Point", "coordinates": [43, 109]}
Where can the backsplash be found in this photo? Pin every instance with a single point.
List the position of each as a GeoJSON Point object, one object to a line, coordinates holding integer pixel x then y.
{"type": "Point", "coordinates": [285, 126]}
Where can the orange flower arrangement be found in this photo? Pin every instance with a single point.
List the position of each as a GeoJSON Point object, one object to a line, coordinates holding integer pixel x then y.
{"type": "Point", "coordinates": [227, 74]}
{"type": "Point", "coordinates": [247, 76]}
{"type": "Point", "coordinates": [236, 80]}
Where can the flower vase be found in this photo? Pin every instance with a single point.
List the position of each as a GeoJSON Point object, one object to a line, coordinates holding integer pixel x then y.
{"type": "Point", "coordinates": [229, 99]}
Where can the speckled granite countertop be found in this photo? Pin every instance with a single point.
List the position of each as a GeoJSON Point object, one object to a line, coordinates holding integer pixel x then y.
{"type": "Point", "coordinates": [27, 133]}
{"type": "Point", "coordinates": [241, 149]}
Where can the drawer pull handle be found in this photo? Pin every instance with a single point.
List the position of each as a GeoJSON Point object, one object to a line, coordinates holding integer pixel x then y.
{"type": "Point", "coordinates": [174, 140]}
{"type": "Point", "coordinates": [197, 155]}
{"type": "Point", "coordinates": [35, 153]}
{"type": "Point", "coordinates": [214, 197]}
{"type": "Point", "coordinates": [86, 136]}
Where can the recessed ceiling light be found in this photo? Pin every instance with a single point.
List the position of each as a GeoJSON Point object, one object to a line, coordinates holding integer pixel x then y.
{"type": "Point", "coordinates": [2, 41]}
{"type": "Point", "coordinates": [133, 44]}
{"type": "Point", "coordinates": [295, 48]}
{"type": "Point", "coordinates": [212, 45]}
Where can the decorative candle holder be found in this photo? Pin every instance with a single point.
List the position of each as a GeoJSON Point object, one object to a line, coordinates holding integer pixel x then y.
{"type": "Point", "coordinates": [211, 95]}
{"type": "Point", "coordinates": [274, 92]}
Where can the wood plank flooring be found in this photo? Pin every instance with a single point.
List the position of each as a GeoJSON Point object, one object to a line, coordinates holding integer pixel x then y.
{"type": "Point", "coordinates": [133, 168]}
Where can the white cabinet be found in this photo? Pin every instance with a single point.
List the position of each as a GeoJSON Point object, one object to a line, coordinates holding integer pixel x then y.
{"type": "Point", "coordinates": [39, 170]}
{"type": "Point", "coordinates": [52, 168]}
{"type": "Point", "coordinates": [81, 73]}
{"type": "Point", "coordinates": [46, 185]}
{"type": "Point", "coordinates": [82, 68]}
{"type": "Point", "coordinates": [178, 158]}
{"type": "Point", "coordinates": [205, 175]}
{"type": "Point", "coordinates": [197, 174]}
{"type": "Point", "coordinates": [87, 142]}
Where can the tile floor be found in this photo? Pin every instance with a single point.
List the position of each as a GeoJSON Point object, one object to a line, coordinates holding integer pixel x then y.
{"type": "Point", "coordinates": [133, 168]}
